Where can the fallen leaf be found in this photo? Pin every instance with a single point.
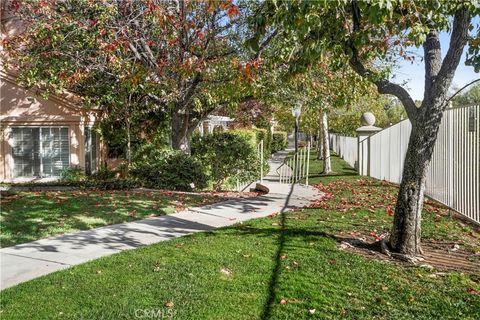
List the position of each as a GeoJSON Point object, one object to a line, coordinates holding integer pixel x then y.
{"type": "Point", "coordinates": [226, 271]}
{"type": "Point", "coordinates": [472, 291]}
{"type": "Point", "coordinates": [390, 211]}
{"type": "Point", "coordinates": [169, 304]}
{"type": "Point", "coordinates": [272, 215]}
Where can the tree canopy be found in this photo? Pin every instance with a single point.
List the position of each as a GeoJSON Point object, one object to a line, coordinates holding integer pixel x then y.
{"type": "Point", "coordinates": [185, 56]}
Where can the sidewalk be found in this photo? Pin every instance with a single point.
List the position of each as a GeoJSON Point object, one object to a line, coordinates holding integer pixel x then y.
{"type": "Point", "coordinates": [27, 261]}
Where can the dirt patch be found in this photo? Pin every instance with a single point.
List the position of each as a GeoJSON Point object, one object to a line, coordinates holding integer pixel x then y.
{"type": "Point", "coordinates": [438, 256]}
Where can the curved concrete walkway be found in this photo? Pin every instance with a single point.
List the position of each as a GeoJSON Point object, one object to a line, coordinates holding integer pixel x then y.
{"type": "Point", "coordinates": [27, 261]}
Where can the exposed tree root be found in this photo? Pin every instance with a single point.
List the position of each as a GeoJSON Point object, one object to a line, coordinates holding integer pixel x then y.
{"type": "Point", "coordinates": [385, 249]}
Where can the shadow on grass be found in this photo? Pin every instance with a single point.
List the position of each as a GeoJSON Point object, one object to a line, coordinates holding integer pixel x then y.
{"type": "Point", "coordinates": [332, 174]}
{"type": "Point", "coordinates": [283, 234]}
{"type": "Point", "coordinates": [267, 307]}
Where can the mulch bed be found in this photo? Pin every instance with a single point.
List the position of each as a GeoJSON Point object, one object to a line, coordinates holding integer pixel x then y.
{"type": "Point", "coordinates": [438, 256]}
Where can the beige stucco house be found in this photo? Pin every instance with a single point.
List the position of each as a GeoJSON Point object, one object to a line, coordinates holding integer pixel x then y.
{"type": "Point", "coordinates": [40, 138]}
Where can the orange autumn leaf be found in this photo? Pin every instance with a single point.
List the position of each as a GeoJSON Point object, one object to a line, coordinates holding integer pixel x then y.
{"type": "Point", "coordinates": [233, 11]}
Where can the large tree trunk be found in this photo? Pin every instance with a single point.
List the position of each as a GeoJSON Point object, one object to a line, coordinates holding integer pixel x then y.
{"type": "Point", "coordinates": [406, 231]}
{"type": "Point", "coordinates": [180, 132]}
{"type": "Point", "coordinates": [327, 164]}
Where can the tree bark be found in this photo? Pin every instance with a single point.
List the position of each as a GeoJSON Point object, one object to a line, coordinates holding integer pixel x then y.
{"type": "Point", "coordinates": [327, 164]}
{"type": "Point", "coordinates": [406, 231]}
{"type": "Point", "coordinates": [319, 145]}
{"type": "Point", "coordinates": [129, 140]}
{"type": "Point", "coordinates": [180, 131]}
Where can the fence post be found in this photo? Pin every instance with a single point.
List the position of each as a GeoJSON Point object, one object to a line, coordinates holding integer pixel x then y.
{"type": "Point", "coordinates": [364, 132]}
{"type": "Point", "coordinates": [261, 161]}
{"type": "Point", "coordinates": [308, 163]}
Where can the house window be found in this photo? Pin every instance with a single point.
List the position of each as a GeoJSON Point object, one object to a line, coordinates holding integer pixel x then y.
{"type": "Point", "coordinates": [40, 152]}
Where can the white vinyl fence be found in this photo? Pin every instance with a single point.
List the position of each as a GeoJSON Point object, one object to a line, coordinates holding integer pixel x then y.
{"type": "Point", "coordinates": [345, 147]}
{"type": "Point", "coordinates": [454, 175]}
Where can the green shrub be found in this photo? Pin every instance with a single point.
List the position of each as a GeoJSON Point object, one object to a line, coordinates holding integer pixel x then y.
{"type": "Point", "coordinates": [103, 174]}
{"type": "Point", "coordinates": [167, 169]}
{"type": "Point", "coordinates": [110, 184]}
{"type": "Point", "coordinates": [279, 141]}
{"type": "Point", "coordinates": [72, 174]}
{"type": "Point", "coordinates": [228, 156]}
{"type": "Point", "coordinates": [264, 134]}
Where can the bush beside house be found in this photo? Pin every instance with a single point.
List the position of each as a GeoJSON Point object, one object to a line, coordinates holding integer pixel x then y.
{"type": "Point", "coordinates": [167, 169]}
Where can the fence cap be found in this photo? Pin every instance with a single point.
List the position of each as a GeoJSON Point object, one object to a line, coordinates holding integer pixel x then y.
{"type": "Point", "coordinates": [368, 120]}
{"type": "Point", "coordinates": [368, 130]}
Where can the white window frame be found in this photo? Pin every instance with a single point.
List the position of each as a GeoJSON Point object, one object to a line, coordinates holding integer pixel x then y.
{"type": "Point", "coordinates": [41, 149]}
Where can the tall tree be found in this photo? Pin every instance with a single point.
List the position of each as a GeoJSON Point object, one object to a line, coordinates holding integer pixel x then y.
{"type": "Point", "coordinates": [189, 52]}
{"type": "Point", "coordinates": [358, 32]}
{"type": "Point", "coordinates": [320, 89]}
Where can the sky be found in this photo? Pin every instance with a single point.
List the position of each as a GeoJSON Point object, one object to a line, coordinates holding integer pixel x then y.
{"type": "Point", "coordinates": [414, 74]}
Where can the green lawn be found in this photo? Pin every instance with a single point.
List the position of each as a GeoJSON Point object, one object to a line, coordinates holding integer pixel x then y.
{"type": "Point", "coordinates": [287, 266]}
{"type": "Point", "coordinates": [28, 216]}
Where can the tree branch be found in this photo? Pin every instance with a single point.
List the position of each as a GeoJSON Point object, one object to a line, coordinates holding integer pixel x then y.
{"type": "Point", "coordinates": [384, 86]}
{"type": "Point", "coordinates": [265, 43]}
{"type": "Point", "coordinates": [433, 59]}
{"type": "Point", "coordinates": [462, 88]}
{"type": "Point", "coordinates": [189, 92]}
{"type": "Point", "coordinates": [458, 40]}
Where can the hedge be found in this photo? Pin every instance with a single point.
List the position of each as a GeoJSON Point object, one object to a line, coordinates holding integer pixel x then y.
{"type": "Point", "coordinates": [228, 156]}
{"type": "Point", "coordinates": [279, 141]}
{"type": "Point", "coordinates": [167, 169]}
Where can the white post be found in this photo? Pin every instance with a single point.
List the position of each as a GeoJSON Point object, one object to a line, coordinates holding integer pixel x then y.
{"type": "Point", "coordinates": [303, 166]}
{"type": "Point", "coordinates": [295, 173]}
{"type": "Point", "coordinates": [363, 133]}
{"type": "Point", "coordinates": [292, 173]}
{"type": "Point", "coordinates": [261, 161]}
{"type": "Point", "coordinates": [308, 163]}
